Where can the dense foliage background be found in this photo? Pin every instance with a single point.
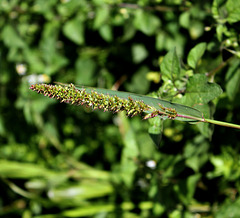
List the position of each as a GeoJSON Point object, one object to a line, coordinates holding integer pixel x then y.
{"type": "Point", "coordinates": [58, 160]}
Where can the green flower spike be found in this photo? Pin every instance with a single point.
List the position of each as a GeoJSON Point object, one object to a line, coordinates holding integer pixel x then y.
{"type": "Point", "coordinates": [132, 104]}
{"type": "Point", "coordinates": [70, 94]}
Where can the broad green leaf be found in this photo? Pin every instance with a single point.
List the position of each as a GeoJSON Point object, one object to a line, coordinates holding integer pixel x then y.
{"type": "Point", "coordinates": [74, 30]}
{"type": "Point", "coordinates": [102, 15]}
{"type": "Point", "coordinates": [155, 130]}
{"type": "Point", "coordinates": [52, 58]}
{"type": "Point", "coordinates": [230, 208]}
{"type": "Point", "coordinates": [196, 29]}
{"type": "Point", "coordinates": [11, 38]}
{"type": "Point", "coordinates": [195, 54]}
{"type": "Point", "coordinates": [128, 31]}
{"type": "Point", "coordinates": [33, 56]}
{"type": "Point", "coordinates": [196, 153]}
{"type": "Point", "coordinates": [44, 7]}
{"type": "Point", "coordinates": [139, 83]}
{"type": "Point", "coordinates": [48, 41]}
{"type": "Point", "coordinates": [233, 9]}
{"type": "Point", "coordinates": [205, 128]}
{"type": "Point", "coordinates": [139, 53]}
{"type": "Point", "coordinates": [146, 22]}
{"type": "Point", "coordinates": [106, 32]}
{"type": "Point", "coordinates": [199, 91]}
{"type": "Point", "coordinates": [184, 19]}
{"type": "Point", "coordinates": [170, 66]}
{"type": "Point", "coordinates": [191, 185]}
{"type": "Point", "coordinates": [68, 8]}
{"type": "Point", "coordinates": [215, 9]}
{"type": "Point", "coordinates": [85, 68]}
{"type": "Point", "coordinates": [221, 29]}
{"type": "Point", "coordinates": [56, 62]}
{"type": "Point", "coordinates": [233, 81]}
{"type": "Point", "coordinates": [226, 164]}
{"type": "Point", "coordinates": [186, 188]}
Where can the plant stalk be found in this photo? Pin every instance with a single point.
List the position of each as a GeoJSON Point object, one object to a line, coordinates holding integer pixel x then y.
{"type": "Point", "coordinates": [220, 123]}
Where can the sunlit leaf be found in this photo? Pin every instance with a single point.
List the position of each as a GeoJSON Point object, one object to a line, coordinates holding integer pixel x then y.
{"type": "Point", "coordinates": [233, 9]}
{"type": "Point", "coordinates": [195, 54]}
{"type": "Point", "coordinates": [199, 91]}
{"type": "Point", "coordinates": [170, 66]}
{"type": "Point", "coordinates": [74, 30]}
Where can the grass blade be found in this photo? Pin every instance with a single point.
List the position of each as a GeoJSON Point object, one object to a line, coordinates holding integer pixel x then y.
{"type": "Point", "coordinates": [115, 101]}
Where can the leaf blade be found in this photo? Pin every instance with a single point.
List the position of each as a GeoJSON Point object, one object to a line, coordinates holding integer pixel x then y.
{"type": "Point", "coordinates": [116, 101]}
{"type": "Point", "coordinates": [154, 102]}
{"type": "Point", "coordinates": [170, 66]}
{"type": "Point", "coordinates": [195, 54]}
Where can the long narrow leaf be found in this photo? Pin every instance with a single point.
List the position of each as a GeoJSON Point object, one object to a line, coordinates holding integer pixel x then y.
{"type": "Point", "coordinates": [156, 103]}
{"type": "Point", "coordinates": [115, 101]}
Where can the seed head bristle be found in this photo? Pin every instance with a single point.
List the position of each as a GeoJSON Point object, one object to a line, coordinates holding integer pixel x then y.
{"type": "Point", "coordinates": [70, 94]}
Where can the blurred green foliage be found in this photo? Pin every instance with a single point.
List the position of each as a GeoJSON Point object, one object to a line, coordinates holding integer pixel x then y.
{"type": "Point", "coordinates": [58, 160]}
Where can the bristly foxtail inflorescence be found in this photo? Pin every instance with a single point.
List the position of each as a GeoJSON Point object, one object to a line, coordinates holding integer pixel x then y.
{"type": "Point", "coordinates": [106, 102]}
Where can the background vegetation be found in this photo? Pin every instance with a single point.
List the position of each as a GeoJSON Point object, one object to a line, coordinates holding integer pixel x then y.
{"type": "Point", "coordinates": [58, 160]}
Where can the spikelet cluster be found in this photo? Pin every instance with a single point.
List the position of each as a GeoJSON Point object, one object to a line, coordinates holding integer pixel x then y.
{"type": "Point", "coordinates": [70, 94]}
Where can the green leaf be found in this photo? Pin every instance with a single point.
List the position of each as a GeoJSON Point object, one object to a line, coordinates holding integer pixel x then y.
{"type": "Point", "coordinates": [11, 38]}
{"type": "Point", "coordinates": [154, 102]}
{"type": "Point", "coordinates": [44, 7]}
{"type": "Point", "coordinates": [199, 91]}
{"type": "Point", "coordinates": [130, 151]}
{"type": "Point", "coordinates": [12, 169]}
{"type": "Point", "coordinates": [85, 68]}
{"type": "Point", "coordinates": [155, 130]}
{"type": "Point", "coordinates": [220, 31]}
{"type": "Point", "coordinates": [146, 22]}
{"type": "Point", "coordinates": [195, 54]}
{"type": "Point", "coordinates": [94, 210]}
{"type": "Point", "coordinates": [184, 19]}
{"type": "Point", "coordinates": [33, 56]}
{"type": "Point", "coordinates": [196, 29]}
{"type": "Point", "coordinates": [139, 53]}
{"type": "Point", "coordinates": [56, 62]}
{"type": "Point", "coordinates": [233, 9]}
{"type": "Point", "coordinates": [83, 190]}
{"type": "Point", "coordinates": [170, 66]}
{"type": "Point", "coordinates": [230, 208]}
{"type": "Point", "coordinates": [2, 127]}
{"type": "Point", "coordinates": [196, 153]}
{"type": "Point", "coordinates": [226, 164]}
{"type": "Point", "coordinates": [116, 101]}
{"type": "Point", "coordinates": [139, 83]}
{"type": "Point", "coordinates": [186, 188]}
{"type": "Point", "coordinates": [102, 15]}
{"type": "Point", "coordinates": [68, 8]}
{"type": "Point", "coordinates": [128, 31]}
{"type": "Point", "coordinates": [89, 210]}
{"type": "Point", "coordinates": [74, 30]}
{"type": "Point", "coordinates": [205, 128]}
{"type": "Point", "coordinates": [233, 81]}
{"type": "Point", "coordinates": [106, 33]}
